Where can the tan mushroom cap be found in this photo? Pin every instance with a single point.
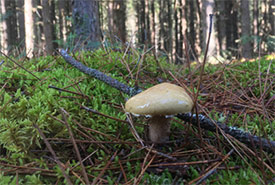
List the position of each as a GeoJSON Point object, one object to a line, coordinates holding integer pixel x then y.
{"type": "Point", "coordinates": [161, 99]}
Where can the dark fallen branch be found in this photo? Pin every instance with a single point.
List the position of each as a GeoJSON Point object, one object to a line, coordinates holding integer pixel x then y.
{"type": "Point", "coordinates": [99, 75]}
{"type": "Point", "coordinates": [204, 122]}
{"type": "Point", "coordinates": [240, 135]}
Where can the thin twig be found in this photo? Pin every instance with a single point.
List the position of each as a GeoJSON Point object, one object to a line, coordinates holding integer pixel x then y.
{"type": "Point", "coordinates": [54, 155]}
{"type": "Point", "coordinates": [216, 165]}
{"type": "Point", "coordinates": [84, 173]}
{"type": "Point", "coordinates": [104, 169]}
{"type": "Point", "coordinates": [19, 65]}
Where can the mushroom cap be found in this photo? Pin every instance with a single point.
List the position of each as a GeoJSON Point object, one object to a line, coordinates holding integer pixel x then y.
{"type": "Point", "coordinates": [162, 99]}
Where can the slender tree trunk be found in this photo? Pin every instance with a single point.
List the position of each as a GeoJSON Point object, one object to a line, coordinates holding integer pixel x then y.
{"type": "Point", "coordinates": [47, 26]}
{"type": "Point", "coordinates": [221, 19]}
{"type": "Point", "coordinates": [199, 43]}
{"type": "Point", "coordinates": [12, 23]}
{"type": "Point", "coordinates": [140, 7]}
{"type": "Point", "coordinates": [169, 30]}
{"type": "Point", "coordinates": [183, 25]}
{"type": "Point", "coordinates": [153, 24]}
{"type": "Point", "coordinates": [271, 16]}
{"type": "Point", "coordinates": [21, 23]}
{"type": "Point", "coordinates": [61, 20]}
{"type": "Point", "coordinates": [54, 22]}
{"type": "Point", "coordinates": [118, 19]}
{"type": "Point", "coordinates": [86, 23]}
{"type": "Point", "coordinates": [246, 33]}
{"type": "Point", "coordinates": [208, 8]}
{"type": "Point", "coordinates": [177, 25]}
{"type": "Point", "coordinates": [161, 23]}
{"type": "Point", "coordinates": [29, 28]}
{"type": "Point", "coordinates": [256, 21]}
{"type": "Point", "coordinates": [132, 20]}
{"type": "Point", "coordinates": [191, 34]}
{"type": "Point", "coordinates": [39, 36]}
{"type": "Point", "coordinates": [4, 28]}
{"type": "Point", "coordinates": [147, 23]}
{"type": "Point", "coordinates": [231, 26]}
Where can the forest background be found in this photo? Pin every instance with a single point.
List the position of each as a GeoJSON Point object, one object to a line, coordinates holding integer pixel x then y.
{"type": "Point", "coordinates": [242, 28]}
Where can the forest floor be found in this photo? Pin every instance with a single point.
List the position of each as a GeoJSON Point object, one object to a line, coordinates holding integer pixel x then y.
{"type": "Point", "coordinates": [59, 125]}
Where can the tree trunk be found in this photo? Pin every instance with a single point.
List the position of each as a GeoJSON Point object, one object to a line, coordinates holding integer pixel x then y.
{"type": "Point", "coordinates": [199, 28]}
{"type": "Point", "coordinates": [191, 34]}
{"type": "Point", "coordinates": [39, 37]}
{"type": "Point", "coordinates": [147, 23]}
{"type": "Point", "coordinates": [231, 26]}
{"type": "Point", "coordinates": [183, 26]}
{"type": "Point", "coordinates": [47, 26]}
{"type": "Point", "coordinates": [21, 23]}
{"type": "Point", "coordinates": [117, 19]}
{"type": "Point", "coordinates": [246, 33]}
{"type": "Point", "coordinates": [132, 21]}
{"type": "Point", "coordinates": [86, 23]}
{"type": "Point", "coordinates": [63, 12]}
{"type": "Point", "coordinates": [208, 8]}
{"type": "Point", "coordinates": [4, 28]}
{"type": "Point", "coordinates": [271, 10]}
{"type": "Point", "coordinates": [169, 30]}
{"type": "Point", "coordinates": [177, 39]}
{"type": "Point", "coordinates": [161, 24]}
{"type": "Point", "coordinates": [221, 18]}
{"type": "Point", "coordinates": [29, 28]}
{"type": "Point", "coordinates": [142, 32]}
{"type": "Point", "coordinates": [152, 25]}
{"type": "Point", "coordinates": [11, 23]}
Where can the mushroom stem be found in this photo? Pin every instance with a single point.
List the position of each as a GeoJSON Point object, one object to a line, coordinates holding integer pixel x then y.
{"type": "Point", "coordinates": [159, 129]}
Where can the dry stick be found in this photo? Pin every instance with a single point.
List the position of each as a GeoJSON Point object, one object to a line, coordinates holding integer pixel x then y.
{"type": "Point", "coordinates": [101, 114]}
{"type": "Point", "coordinates": [84, 173]}
{"type": "Point", "coordinates": [122, 170]}
{"type": "Point", "coordinates": [94, 142]}
{"type": "Point", "coordinates": [104, 169]}
{"type": "Point", "coordinates": [202, 178]}
{"type": "Point", "coordinates": [87, 157]}
{"type": "Point", "coordinates": [204, 122]}
{"type": "Point", "coordinates": [68, 91]}
{"type": "Point", "coordinates": [19, 65]}
{"type": "Point", "coordinates": [201, 74]}
{"type": "Point", "coordinates": [143, 170]}
{"type": "Point", "coordinates": [185, 163]}
{"type": "Point", "coordinates": [54, 155]}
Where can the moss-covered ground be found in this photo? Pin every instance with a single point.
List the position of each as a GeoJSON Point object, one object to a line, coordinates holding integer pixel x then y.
{"type": "Point", "coordinates": [239, 94]}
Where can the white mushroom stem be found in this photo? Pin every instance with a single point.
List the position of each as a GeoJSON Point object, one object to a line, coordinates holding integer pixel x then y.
{"type": "Point", "coordinates": [159, 129]}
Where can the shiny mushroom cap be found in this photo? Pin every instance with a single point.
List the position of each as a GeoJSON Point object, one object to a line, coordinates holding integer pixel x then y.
{"type": "Point", "coordinates": [162, 99]}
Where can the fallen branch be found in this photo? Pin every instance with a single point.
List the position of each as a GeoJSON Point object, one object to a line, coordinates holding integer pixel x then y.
{"type": "Point", "coordinates": [99, 75]}
{"type": "Point", "coordinates": [204, 122]}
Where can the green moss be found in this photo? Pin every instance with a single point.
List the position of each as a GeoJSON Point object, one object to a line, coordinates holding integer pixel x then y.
{"type": "Point", "coordinates": [25, 101]}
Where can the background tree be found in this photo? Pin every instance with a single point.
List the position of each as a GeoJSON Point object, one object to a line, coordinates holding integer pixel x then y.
{"type": "Point", "coordinates": [246, 30]}
{"type": "Point", "coordinates": [86, 23]}
{"type": "Point", "coordinates": [21, 23]}
{"type": "Point", "coordinates": [47, 26]}
{"type": "Point", "coordinates": [11, 23]}
{"type": "Point", "coordinates": [162, 24]}
{"type": "Point", "coordinates": [4, 28]}
{"type": "Point", "coordinates": [117, 19]}
{"type": "Point", "coordinates": [208, 8]}
{"type": "Point", "coordinates": [221, 28]}
{"type": "Point", "coordinates": [29, 27]}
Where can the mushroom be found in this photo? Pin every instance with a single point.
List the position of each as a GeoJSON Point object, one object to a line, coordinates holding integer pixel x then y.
{"type": "Point", "coordinates": [160, 102]}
